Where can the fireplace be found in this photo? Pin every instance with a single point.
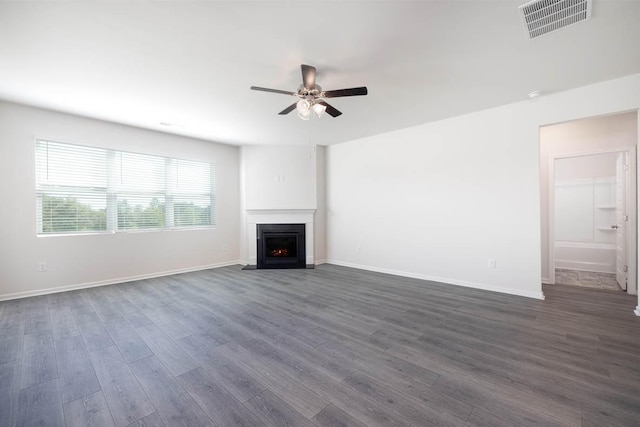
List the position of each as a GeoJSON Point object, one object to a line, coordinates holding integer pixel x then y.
{"type": "Point", "coordinates": [281, 246]}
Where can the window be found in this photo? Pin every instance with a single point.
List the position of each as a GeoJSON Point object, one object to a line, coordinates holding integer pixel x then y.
{"type": "Point", "coordinates": [87, 190]}
{"type": "Point", "coordinates": [71, 188]}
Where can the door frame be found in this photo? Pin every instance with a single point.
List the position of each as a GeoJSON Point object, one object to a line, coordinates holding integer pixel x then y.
{"type": "Point", "coordinates": [631, 203]}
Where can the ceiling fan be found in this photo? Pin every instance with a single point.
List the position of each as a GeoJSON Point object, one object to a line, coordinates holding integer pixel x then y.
{"type": "Point", "coordinates": [311, 96]}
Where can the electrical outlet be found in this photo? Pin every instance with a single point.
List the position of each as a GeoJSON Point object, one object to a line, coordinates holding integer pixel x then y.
{"type": "Point", "coordinates": [492, 264]}
{"type": "Point", "coordinates": [225, 248]}
{"type": "Point", "coordinates": [42, 266]}
{"type": "Point", "coordinates": [358, 249]}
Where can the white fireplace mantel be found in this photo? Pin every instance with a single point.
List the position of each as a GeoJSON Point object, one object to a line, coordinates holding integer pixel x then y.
{"type": "Point", "coordinates": [279, 216]}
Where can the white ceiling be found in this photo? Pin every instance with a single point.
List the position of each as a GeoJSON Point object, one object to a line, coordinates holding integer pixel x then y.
{"type": "Point", "coordinates": [191, 63]}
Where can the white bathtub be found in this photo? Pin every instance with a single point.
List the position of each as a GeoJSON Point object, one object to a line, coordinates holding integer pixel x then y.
{"type": "Point", "coordinates": [587, 256]}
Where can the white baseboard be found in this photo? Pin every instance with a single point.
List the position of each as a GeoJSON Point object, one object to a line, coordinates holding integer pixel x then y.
{"type": "Point", "coordinates": [637, 311]}
{"type": "Point", "coordinates": [546, 281]}
{"type": "Point", "coordinates": [112, 281]}
{"type": "Point", "coordinates": [449, 281]}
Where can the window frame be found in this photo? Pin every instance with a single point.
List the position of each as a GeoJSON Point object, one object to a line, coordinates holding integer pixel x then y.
{"type": "Point", "coordinates": [112, 193]}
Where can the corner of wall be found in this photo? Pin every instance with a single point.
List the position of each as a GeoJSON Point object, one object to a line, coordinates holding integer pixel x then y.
{"type": "Point", "coordinates": [321, 208]}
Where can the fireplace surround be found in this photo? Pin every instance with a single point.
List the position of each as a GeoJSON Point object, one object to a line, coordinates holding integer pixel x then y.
{"type": "Point", "coordinates": [256, 217]}
{"type": "Point", "coordinates": [281, 246]}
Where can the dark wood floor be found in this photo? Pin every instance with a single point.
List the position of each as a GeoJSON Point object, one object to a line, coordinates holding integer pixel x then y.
{"type": "Point", "coordinates": [331, 347]}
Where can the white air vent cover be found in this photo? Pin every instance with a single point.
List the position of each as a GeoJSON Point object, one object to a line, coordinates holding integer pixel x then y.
{"type": "Point", "coordinates": [544, 16]}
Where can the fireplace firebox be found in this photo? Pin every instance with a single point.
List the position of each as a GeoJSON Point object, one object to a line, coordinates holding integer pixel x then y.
{"type": "Point", "coordinates": [281, 246]}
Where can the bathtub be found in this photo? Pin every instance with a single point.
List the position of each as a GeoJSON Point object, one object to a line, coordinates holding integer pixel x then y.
{"type": "Point", "coordinates": [586, 256]}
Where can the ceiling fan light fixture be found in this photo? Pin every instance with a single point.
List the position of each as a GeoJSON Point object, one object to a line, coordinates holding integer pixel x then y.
{"type": "Point", "coordinates": [304, 116]}
{"type": "Point", "coordinates": [319, 109]}
{"type": "Point", "coordinates": [303, 107]}
{"type": "Point", "coordinates": [311, 95]}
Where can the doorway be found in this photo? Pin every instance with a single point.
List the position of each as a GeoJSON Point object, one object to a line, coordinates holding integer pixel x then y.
{"type": "Point", "coordinates": [589, 215]}
{"type": "Point", "coordinates": [588, 199]}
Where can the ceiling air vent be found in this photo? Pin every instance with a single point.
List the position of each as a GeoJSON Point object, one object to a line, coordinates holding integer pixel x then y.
{"type": "Point", "coordinates": [544, 16]}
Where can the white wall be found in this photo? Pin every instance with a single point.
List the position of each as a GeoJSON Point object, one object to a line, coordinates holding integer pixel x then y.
{"type": "Point", "coordinates": [437, 201]}
{"type": "Point", "coordinates": [586, 167]}
{"type": "Point", "coordinates": [280, 177]}
{"type": "Point", "coordinates": [581, 136]}
{"type": "Point", "coordinates": [321, 212]}
{"type": "Point", "coordinates": [283, 178]}
{"type": "Point", "coordinates": [101, 258]}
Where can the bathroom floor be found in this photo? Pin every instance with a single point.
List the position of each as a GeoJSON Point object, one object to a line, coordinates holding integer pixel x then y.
{"type": "Point", "coordinates": [587, 279]}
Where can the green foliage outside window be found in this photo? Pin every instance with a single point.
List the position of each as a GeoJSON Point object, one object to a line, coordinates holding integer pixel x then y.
{"type": "Point", "coordinates": [66, 214]}
{"type": "Point", "coordinates": [139, 216]}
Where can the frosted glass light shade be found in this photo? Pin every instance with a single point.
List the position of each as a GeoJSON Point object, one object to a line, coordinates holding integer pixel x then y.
{"type": "Point", "coordinates": [319, 109]}
{"type": "Point", "coordinates": [304, 116]}
{"type": "Point", "coordinates": [303, 106]}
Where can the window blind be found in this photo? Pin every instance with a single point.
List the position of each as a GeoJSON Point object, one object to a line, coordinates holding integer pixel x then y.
{"type": "Point", "coordinates": [140, 187]}
{"type": "Point", "coordinates": [84, 189]}
{"type": "Point", "coordinates": [193, 199]}
{"type": "Point", "coordinates": [71, 188]}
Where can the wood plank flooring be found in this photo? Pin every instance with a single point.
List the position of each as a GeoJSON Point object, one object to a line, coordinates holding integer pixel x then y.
{"type": "Point", "coordinates": [327, 347]}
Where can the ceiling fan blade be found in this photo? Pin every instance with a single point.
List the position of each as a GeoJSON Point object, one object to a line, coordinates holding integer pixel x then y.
{"type": "Point", "coordinates": [287, 110]}
{"type": "Point", "coordinates": [330, 110]}
{"type": "Point", "coordinates": [354, 91]}
{"type": "Point", "coordinates": [308, 76]}
{"type": "Point", "coordinates": [264, 89]}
